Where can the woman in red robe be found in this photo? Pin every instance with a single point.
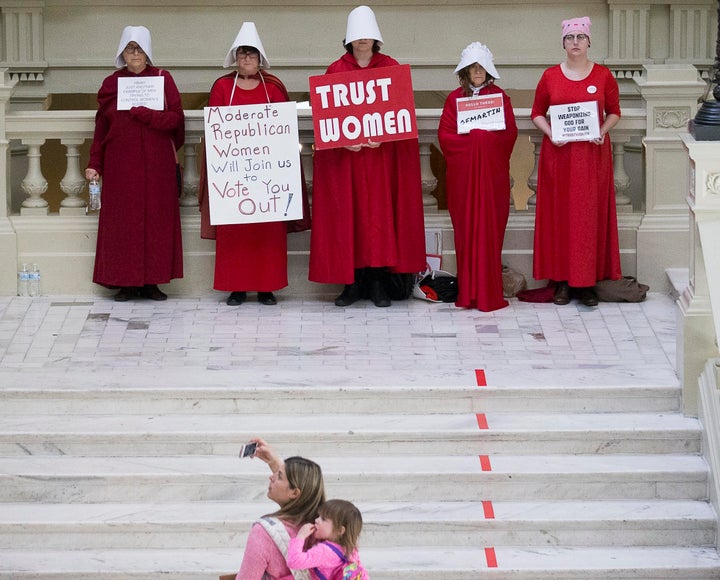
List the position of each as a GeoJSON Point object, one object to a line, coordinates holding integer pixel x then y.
{"type": "Point", "coordinates": [576, 237]}
{"type": "Point", "coordinates": [139, 243]}
{"type": "Point", "coordinates": [248, 257]}
{"type": "Point", "coordinates": [367, 200]}
{"type": "Point", "coordinates": [478, 184]}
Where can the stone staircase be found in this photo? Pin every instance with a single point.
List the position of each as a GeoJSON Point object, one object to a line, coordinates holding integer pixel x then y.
{"type": "Point", "coordinates": [120, 476]}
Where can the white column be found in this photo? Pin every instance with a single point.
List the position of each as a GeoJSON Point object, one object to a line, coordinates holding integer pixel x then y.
{"type": "Point", "coordinates": [191, 178]}
{"type": "Point", "coordinates": [622, 179]}
{"type": "Point", "coordinates": [73, 183]}
{"type": "Point", "coordinates": [34, 183]}
{"type": "Point", "coordinates": [532, 180]}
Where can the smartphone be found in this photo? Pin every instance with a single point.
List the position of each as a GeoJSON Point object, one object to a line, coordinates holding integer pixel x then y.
{"type": "Point", "coordinates": [248, 450]}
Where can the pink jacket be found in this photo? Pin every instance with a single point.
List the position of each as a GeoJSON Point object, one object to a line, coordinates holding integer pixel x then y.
{"type": "Point", "coordinates": [320, 556]}
{"type": "Point", "coordinates": [263, 557]}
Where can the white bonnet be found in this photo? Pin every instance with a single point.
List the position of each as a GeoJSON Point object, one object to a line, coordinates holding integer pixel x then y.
{"type": "Point", "coordinates": [138, 34]}
{"type": "Point", "coordinates": [248, 36]}
{"type": "Point", "coordinates": [361, 23]}
{"type": "Point", "coordinates": [477, 52]}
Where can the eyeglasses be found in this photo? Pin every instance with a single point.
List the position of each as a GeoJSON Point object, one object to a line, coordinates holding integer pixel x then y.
{"type": "Point", "coordinates": [248, 55]}
{"type": "Point", "coordinates": [132, 49]}
{"type": "Point", "coordinates": [574, 37]}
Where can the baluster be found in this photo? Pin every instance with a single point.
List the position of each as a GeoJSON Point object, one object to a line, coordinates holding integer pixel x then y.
{"type": "Point", "coordinates": [622, 179]}
{"type": "Point", "coordinates": [34, 184]}
{"type": "Point", "coordinates": [429, 182]}
{"type": "Point", "coordinates": [306, 160]}
{"type": "Point", "coordinates": [536, 140]}
{"type": "Point", "coordinates": [191, 178]}
{"type": "Point", "coordinates": [73, 183]}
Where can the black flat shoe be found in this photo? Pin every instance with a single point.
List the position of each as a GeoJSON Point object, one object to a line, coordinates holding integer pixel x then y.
{"type": "Point", "coordinates": [562, 294]}
{"type": "Point", "coordinates": [236, 298]}
{"type": "Point", "coordinates": [126, 293]}
{"type": "Point", "coordinates": [350, 295]}
{"type": "Point", "coordinates": [587, 296]}
{"type": "Point", "coordinates": [378, 294]}
{"type": "Point", "coordinates": [267, 298]}
{"type": "Point", "coordinates": [152, 292]}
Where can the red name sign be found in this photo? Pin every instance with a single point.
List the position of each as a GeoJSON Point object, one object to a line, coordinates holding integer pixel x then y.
{"type": "Point", "coordinates": [353, 108]}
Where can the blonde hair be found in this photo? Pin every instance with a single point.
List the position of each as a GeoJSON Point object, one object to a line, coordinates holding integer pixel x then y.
{"type": "Point", "coordinates": [306, 476]}
{"type": "Point", "coordinates": [343, 514]}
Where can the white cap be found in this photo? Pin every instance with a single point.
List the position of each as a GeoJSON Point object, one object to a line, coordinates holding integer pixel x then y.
{"type": "Point", "coordinates": [139, 35]}
{"type": "Point", "coordinates": [361, 23]}
{"type": "Point", "coordinates": [248, 36]}
{"type": "Point", "coordinates": [476, 52]}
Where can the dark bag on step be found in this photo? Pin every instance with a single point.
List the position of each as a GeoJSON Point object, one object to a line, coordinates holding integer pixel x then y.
{"type": "Point", "coordinates": [626, 289]}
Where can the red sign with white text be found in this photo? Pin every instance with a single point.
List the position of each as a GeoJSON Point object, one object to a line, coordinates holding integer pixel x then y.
{"type": "Point", "coordinates": [352, 108]}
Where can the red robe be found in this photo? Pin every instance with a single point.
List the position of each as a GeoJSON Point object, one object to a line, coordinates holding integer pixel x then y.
{"type": "Point", "coordinates": [139, 237]}
{"type": "Point", "coordinates": [576, 237]}
{"type": "Point", "coordinates": [478, 194]}
{"type": "Point", "coordinates": [367, 205]}
{"type": "Point", "coordinates": [247, 256]}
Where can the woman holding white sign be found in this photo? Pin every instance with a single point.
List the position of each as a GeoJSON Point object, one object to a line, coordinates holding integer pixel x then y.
{"type": "Point", "coordinates": [576, 237]}
{"type": "Point", "coordinates": [250, 256]}
{"type": "Point", "coordinates": [139, 243]}
{"type": "Point", "coordinates": [477, 133]}
{"type": "Point", "coordinates": [367, 199]}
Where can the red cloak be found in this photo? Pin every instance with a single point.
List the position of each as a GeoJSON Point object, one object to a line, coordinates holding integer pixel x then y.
{"type": "Point", "coordinates": [247, 256]}
{"type": "Point", "coordinates": [367, 205]}
{"type": "Point", "coordinates": [139, 236]}
{"type": "Point", "coordinates": [478, 193]}
{"type": "Point", "coordinates": [576, 237]}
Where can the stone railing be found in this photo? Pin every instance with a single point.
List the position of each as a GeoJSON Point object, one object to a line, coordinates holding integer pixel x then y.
{"type": "Point", "coordinates": [72, 128]}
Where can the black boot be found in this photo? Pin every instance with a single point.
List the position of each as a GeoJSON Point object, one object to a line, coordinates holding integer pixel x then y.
{"type": "Point", "coordinates": [378, 293]}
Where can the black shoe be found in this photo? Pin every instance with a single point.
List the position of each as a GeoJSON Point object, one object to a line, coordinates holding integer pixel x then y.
{"type": "Point", "coordinates": [378, 294]}
{"type": "Point", "coordinates": [152, 292]}
{"type": "Point", "coordinates": [588, 296]}
{"type": "Point", "coordinates": [267, 298]}
{"type": "Point", "coordinates": [562, 294]}
{"type": "Point", "coordinates": [126, 293]}
{"type": "Point", "coordinates": [236, 298]}
{"type": "Point", "coordinates": [350, 295]}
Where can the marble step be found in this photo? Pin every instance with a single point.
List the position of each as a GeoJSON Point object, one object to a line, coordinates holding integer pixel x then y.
{"type": "Point", "coordinates": [57, 479]}
{"type": "Point", "coordinates": [204, 397]}
{"type": "Point", "coordinates": [411, 563]}
{"type": "Point", "coordinates": [358, 435]}
{"type": "Point", "coordinates": [461, 524]}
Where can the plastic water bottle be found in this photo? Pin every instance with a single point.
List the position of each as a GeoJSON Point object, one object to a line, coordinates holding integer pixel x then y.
{"type": "Point", "coordinates": [34, 283]}
{"type": "Point", "coordinates": [24, 281]}
{"type": "Point", "coordinates": [94, 191]}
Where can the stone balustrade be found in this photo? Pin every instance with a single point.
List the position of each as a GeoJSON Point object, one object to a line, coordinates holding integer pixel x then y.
{"type": "Point", "coordinates": [72, 128]}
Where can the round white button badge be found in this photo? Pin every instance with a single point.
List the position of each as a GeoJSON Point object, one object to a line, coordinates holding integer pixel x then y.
{"type": "Point", "coordinates": [592, 89]}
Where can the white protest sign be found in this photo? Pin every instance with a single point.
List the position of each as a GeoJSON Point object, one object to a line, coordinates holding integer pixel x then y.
{"type": "Point", "coordinates": [482, 112]}
{"type": "Point", "coordinates": [253, 163]}
{"type": "Point", "coordinates": [575, 122]}
{"type": "Point", "coordinates": [141, 92]}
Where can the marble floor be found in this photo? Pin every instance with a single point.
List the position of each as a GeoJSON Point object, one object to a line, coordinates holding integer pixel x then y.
{"type": "Point", "coordinates": [413, 340]}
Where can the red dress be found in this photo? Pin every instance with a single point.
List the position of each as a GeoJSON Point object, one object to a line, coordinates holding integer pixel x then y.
{"type": "Point", "coordinates": [367, 205]}
{"type": "Point", "coordinates": [576, 237]}
{"type": "Point", "coordinates": [139, 237]}
{"type": "Point", "coordinates": [478, 194]}
{"type": "Point", "coordinates": [249, 256]}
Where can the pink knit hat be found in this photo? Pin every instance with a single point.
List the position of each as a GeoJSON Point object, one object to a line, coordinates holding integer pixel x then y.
{"type": "Point", "coordinates": [576, 24]}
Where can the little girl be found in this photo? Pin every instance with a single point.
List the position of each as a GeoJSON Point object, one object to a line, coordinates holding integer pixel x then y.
{"type": "Point", "coordinates": [334, 550]}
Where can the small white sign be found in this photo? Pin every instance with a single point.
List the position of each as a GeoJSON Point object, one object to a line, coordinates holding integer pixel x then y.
{"type": "Point", "coordinates": [253, 163]}
{"type": "Point", "coordinates": [482, 112]}
{"type": "Point", "coordinates": [141, 92]}
{"type": "Point", "coordinates": [575, 122]}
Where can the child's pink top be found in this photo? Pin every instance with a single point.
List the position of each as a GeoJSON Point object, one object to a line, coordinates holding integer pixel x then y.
{"type": "Point", "coordinates": [320, 556]}
{"type": "Point", "coordinates": [263, 557]}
